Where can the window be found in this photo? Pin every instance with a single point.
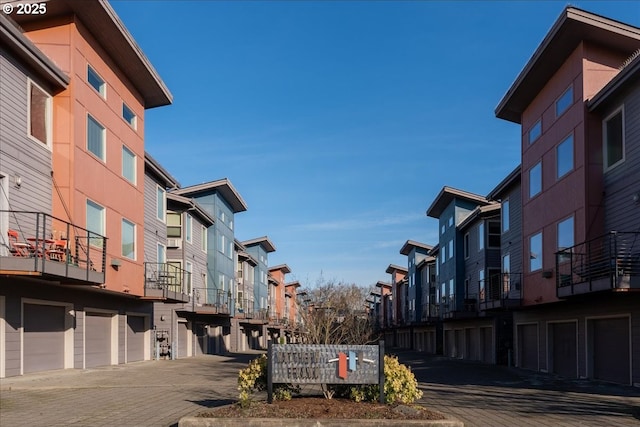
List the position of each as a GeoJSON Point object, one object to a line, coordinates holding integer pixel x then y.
{"type": "Point", "coordinates": [443, 254]}
{"type": "Point", "coordinates": [96, 138]}
{"type": "Point", "coordinates": [95, 223]}
{"type": "Point", "coordinates": [564, 157]}
{"type": "Point", "coordinates": [535, 180]}
{"type": "Point", "coordinates": [442, 229]}
{"type": "Point", "coordinates": [174, 225]}
{"type": "Point", "coordinates": [535, 131]}
{"type": "Point", "coordinates": [96, 82]}
{"type": "Point", "coordinates": [188, 280]}
{"type": "Point", "coordinates": [161, 203]}
{"type": "Point", "coordinates": [204, 239]}
{"type": "Point", "coordinates": [494, 234]}
{"type": "Point", "coordinates": [450, 248]}
{"type": "Point", "coordinates": [505, 215]}
{"type": "Point", "coordinates": [188, 228]}
{"type": "Point", "coordinates": [451, 221]}
{"type": "Point", "coordinates": [564, 102]}
{"type": "Point", "coordinates": [161, 253]}
{"type": "Point", "coordinates": [506, 273]}
{"type": "Point", "coordinates": [480, 236]}
{"type": "Point", "coordinates": [565, 234]}
{"type": "Point", "coordinates": [39, 114]}
{"type": "Point", "coordinates": [465, 241]}
{"type": "Point", "coordinates": [128, 165]}
{"type": "Point", "coordinates": [128, 115]}
{"type": "Point", "coordinates": [535, 252]}
{"type": "Point", "coordinates": [128, 239]}
{"type": "Point", "coordinates": [613, 129]}
{"type": "Point", "coordinates": [481, 284]}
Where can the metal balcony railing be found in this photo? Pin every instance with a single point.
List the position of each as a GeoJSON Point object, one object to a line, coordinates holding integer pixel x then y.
{"type": "Point", "coordinates": [167, 280]}
{"type": "Point", "coordinates": [501, 290]}
{"type": "Point", "coordinates": [42, 243]}
{"type": "Point", "coordinates": [609, 262]}
{"type": "Point", "coordinates": [215, 301]}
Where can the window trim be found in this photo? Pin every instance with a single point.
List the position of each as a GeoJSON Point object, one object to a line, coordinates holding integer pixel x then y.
{"type": "Point", "coordinates": [539, 163]}
{"type": "Point", "coordinates": [558, 99]}
{"type": "Point", "coordinates": [103, 232]}
{"type": "Point", "coordinates": [134, 119]}
{"type": "Point", "coordinates": [539, 233]}
{"type": "Point", "coordinates": [48, 115]}
{"type": "Point", "coordinates": [204, 243]}
{"type": "Point", "coordinates": [573, 157]}
{"type": "Point", "coordinates": [164, 204]}
{"type": "Point", "coordinates": [103, 87]}
{"type": "Point", "coordinates": [188, 228]}
{"type": "Point", "coordinates": [465, 244]}
{"type": "Point", "coordinates": [620, 110]}
{"type": "Point", "coordinates": [134, 238]}
{"type": "Point", "coordinates": [573, 232]}
{"type": "Point", "coordinates": [505, 213]}
{"type": "Point", "coordinates": [103, 159]}
{"type": "Point", "coordinates": [536, 125]}
{"type": "Point", "coordinates": [135, 165]}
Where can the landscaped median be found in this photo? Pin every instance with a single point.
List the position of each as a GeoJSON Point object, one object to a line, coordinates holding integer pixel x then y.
{"type": "Point", "coordinates": [339, 405]}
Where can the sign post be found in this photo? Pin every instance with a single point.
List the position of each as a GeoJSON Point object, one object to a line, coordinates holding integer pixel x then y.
{"type": "Point", "coordinates": [325, 364]}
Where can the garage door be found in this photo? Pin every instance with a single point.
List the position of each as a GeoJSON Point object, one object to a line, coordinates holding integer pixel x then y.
{"type": "Point", "coordinates": [528, 346]}
{"type": "Point", "coordinates": [449, 343]}
{"type": "Point", "coordinates": [43, 337]}
{"type": "Point", "coordinates": [610, 349]}
{"type": "Point", "coordinates": [564, 350]}
{"type": "Point", "coordinates": [135, 338]}
{"type": "Point", "coordinates": [486, 337]}
{"type": "Point", "coordinates": [97, 339]}
{"type": "Point", "coordinates": [183, 339]}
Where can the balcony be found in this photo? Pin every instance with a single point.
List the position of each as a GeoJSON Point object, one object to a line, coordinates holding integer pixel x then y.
{"type": "Point", "coordinates": [36, 244]}
{"type": "Point", "coordinates": [244, 309]}
{"type": "Point", "coordinates": [210, 301]}
{"type": "Point", "coordinates": [501, 292]}
{"type": "Point", "coordinates": [430, 313]}
{"type": "Point", "coordinates": [452, 310]}
{"type": "Point", "coordinates": [166, 282]}
{"type": "Point", "coordinates": [607, 263]}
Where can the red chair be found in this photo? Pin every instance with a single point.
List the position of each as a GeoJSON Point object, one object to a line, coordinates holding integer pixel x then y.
{"type": "Point", "coordinates": [19, 249]}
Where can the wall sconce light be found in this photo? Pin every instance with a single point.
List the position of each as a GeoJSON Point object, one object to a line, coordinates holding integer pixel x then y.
{"type": "Point", "coordinates": [547, 274]}
{"type": "Point", "coordinates": [635, 197]}
{"type": "Point", "coordinates": [18, 181]}
{"type": "Point", "coordinates": [162, 318]}
{"type": "Point", "coordinates": [116, 263]}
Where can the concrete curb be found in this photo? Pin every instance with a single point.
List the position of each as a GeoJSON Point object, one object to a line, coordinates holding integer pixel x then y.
{"type": "Point", "coordinates": [310, 422]}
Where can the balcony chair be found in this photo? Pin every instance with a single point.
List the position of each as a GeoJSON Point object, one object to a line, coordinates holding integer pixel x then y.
{"type": "Point", "coordinates": [16, 248]}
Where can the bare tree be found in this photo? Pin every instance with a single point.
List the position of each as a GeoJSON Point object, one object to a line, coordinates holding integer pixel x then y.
{"type": "Point", "coordinates": [334, 313]}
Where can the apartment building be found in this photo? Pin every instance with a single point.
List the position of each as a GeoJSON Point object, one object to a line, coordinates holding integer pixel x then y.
{"type": "Point", "coordinates": [69, 299]}
{"type": "Point", "coordinates": [221, 201]}
{"type": "Point", "coordinates": [573, 100]}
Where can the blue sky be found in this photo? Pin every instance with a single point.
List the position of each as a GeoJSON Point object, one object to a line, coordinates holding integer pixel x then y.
{"type": "Point", "coordinates": [339, 122]}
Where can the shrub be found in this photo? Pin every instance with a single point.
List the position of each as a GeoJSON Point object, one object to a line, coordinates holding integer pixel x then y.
{"type": "Point", "coordinates": [254, 378]}
{"type": "Point", "coordinates": [400, 385]}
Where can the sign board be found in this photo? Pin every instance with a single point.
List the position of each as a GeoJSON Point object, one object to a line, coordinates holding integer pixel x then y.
{"type": "Point", "coordinates": [325, 364]}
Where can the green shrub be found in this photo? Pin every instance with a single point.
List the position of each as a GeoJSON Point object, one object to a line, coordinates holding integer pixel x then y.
{"type": "Point", "coordinates": [400, 385]}
{"type": "Point", "coordinates": [254, 378]}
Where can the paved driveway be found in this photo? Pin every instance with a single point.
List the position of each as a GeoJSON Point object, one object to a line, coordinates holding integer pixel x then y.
{"type": "Point", "coordinates": [495, 396]}
{"type": "Point", "coordinates": [156, 393]}
{"type": "Point", "coordinates": [159, 393]}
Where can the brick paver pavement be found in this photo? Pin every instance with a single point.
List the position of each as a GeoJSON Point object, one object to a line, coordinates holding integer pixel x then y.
{"type": "Point", "coordinates": [159, 393]}
{"type": "Point", "coordinates": [482, 395]}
